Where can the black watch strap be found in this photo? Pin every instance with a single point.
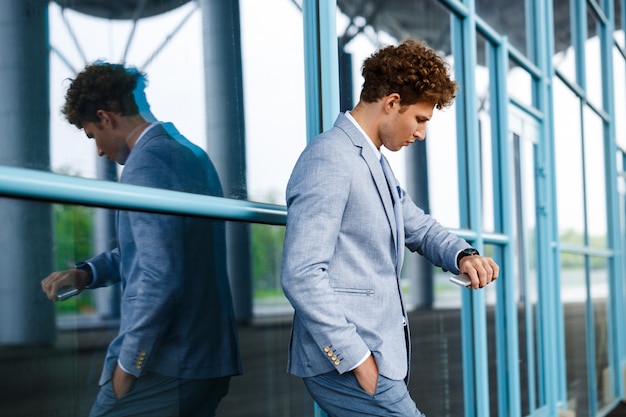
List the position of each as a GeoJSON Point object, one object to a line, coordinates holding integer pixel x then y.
{"type": "Point", "coordinates": [84, 266]}
{"type": "Point", "coordinates": [464, 253]}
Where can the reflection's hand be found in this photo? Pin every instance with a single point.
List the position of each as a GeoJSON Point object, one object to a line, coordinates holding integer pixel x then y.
{"type": "Point", "coordinates": [480, 269]}
{"type": "Point", "coordinates": [122, 382]}
{"type": "Point", "coordinates": [76, 278]}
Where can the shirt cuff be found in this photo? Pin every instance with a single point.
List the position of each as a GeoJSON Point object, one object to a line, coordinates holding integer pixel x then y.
{"type": "Point", "coordinates": [359, 363]}
{"type": "Point", "coordinates": [457, 257]}
{"type": "Point", "coordinates": [122, 367]}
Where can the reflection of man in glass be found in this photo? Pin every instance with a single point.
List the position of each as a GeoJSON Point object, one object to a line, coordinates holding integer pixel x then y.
{"type": "Point", "coordinates": [177, 346]}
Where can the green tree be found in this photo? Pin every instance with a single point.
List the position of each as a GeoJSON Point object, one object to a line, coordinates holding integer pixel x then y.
{"type": "Point", "coordinates": [267, 246]}
{"type": "Point", "coordinates": [73, 234]}
{"type": "Point", "coordinates": [73, 241]}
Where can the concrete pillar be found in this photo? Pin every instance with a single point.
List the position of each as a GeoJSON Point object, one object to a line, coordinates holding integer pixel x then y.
{"type": "Point", "coordinates": [107, 299]}
{"type": "Point", "coordinates": [226, 134]}
{"type": "Point", "coordinates": [26, 315]}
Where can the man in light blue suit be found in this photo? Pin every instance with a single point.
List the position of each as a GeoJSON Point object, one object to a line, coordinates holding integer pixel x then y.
{"type": "Point", "coordinates": [177, 345]}
{"type": "Point", "coordinates": [348, 223]}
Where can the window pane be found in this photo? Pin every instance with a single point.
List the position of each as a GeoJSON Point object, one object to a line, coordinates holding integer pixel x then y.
{"type": "Point", "coordinates": [593, 61]}
{"type": "Point", "coordinates": [492, 361]}
{"type": "Point", "coordinates": [519, 84]}
{"type": "Point", "coordinates": [507, 17]}
{"type": "Point", "coordinates": [447, 295]}
{"type": "Point", "coordinates": [149, 49]}
{"type": "Point", "coordinates": [437, 376]}
{"type": "Point", "coordinates": [267, 250]}
{"type": "Point", "coordinates": [426, 20]}
{"type": "Point", "coordinates": [618, 35]}
{"type": "Point", "coordinates": [573, 297]}
{"type": "Point", "coordinates": [600, 303]}
{"type": "Point", "coordinates": [523, 146]}
{"type": "Point", "coordinates": [595, 179]}
{"type": "Point", "coordinates": [483, 80]}
{"type": "Point", "coordinates": [443, 178]}
{"type": "Point", "coordinates": [273, 65]}
{"type": "Point", "coordinates": [564, 57]}
{"type": "Point", "coordinates": [569, 180]}
{"type": "Point", "coordinates": [619, 75]}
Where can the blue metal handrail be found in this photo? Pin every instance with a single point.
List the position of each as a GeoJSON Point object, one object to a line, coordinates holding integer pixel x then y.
{"type": "Point", "coordinates": [46, 186]}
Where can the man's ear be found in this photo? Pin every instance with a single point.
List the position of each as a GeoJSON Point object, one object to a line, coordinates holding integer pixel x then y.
{"type": "Point", "coordinates": [391, 102]}
{"type": "Point", "coordinates": [106, 117]}
{"type": "Point", "coordinates": [102, 115]}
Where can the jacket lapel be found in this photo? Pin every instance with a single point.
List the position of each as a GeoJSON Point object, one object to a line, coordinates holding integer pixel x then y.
{"type": "Point", "coordinates": [378, 176]}
{"type": "Point", "coordinates": [394, 190]}
{"type": "Point", "coordinates": [383, 189]}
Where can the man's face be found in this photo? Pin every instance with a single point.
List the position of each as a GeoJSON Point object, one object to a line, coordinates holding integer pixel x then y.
{"type": "Point", "coordinates": [404, 125]}
{"type": "Point", "coordinates": [108, 141]}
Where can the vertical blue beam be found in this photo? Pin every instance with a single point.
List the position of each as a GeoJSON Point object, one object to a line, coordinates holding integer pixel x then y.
{"type": "Point", "coordinates": [621, 296]}
{"type": "Point", "coordinates": [616, 313]}
{"type": "Point", "coordinates": [551, 327]}
{"type": "Point", "coordinates": [473, 312]}
{"type": "Point", "coordinates": [458, 50]}
{"type": "Point", "coordinates": [321, 65]}
{"type": "Point", "coordinates": [579, 38]}
{"type": "Point", "coordinates": [321, 73]}
{"type": "Point", "coordinates": [312, 81]}
{"type": "Point", "coordinates": [507, 334]}
{"type": "Point", "coordinates": [535, 384]}
{"type": "Point", "coordinates": [496, 58]}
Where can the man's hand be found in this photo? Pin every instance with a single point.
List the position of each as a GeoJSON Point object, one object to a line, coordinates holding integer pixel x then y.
{"type": "Point", "coordinates": [480, 269]}
{"type": "Point", "coordinates": [366, 375]}
{"type": "Point", "coordinates": [122, 382]}
{"type": "Point", "coordinates": [76, 278]}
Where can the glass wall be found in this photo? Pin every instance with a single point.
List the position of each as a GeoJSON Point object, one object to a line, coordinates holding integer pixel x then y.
{"type": "Point", "coordinates": [522, 166]}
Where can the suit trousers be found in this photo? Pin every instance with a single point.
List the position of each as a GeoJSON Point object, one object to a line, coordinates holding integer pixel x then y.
{"type": "Point", "coordinates": [340, 395]}
{"type": "Point", "coordinates": [155, 395]}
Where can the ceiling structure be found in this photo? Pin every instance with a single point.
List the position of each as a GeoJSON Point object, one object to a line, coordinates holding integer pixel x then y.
{"type": "Point", "coordinates": [121, 9]}
{"type": "Point", "coordinates": [427, 20]}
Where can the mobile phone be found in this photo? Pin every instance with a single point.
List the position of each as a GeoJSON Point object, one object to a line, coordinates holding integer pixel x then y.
{"type": "Point", "coordinates": [462, 280]}
{"type": "Point", "coordinates": [66, 292]}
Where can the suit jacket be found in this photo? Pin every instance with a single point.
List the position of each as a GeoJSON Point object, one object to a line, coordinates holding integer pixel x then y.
{"type": "Point", "coordinates": [177, 316]}
{"type": "Point", "coordinates": [343, 256]}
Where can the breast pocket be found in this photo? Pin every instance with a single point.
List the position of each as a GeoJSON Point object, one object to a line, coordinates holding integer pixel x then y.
{"type": "Point", "coordinates": [355, 291]}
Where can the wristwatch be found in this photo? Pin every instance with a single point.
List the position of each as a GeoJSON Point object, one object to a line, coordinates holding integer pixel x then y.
{"type": "Point", "coordinates": [464, 253]}
{"type": "Point", "coordinates": [84, 266]}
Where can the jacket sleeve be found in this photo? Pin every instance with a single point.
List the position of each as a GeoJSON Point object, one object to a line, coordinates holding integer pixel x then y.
{"type": "Point", "coordinates": [426, 236]}
{"type": "Point", "coordinates": [316, 198]}
{"type": "Point", "coordinates": [105, 268]}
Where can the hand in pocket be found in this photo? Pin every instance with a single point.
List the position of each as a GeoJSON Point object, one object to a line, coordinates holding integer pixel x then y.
{"type": "Point", "coordinates": [366, 375]}
{"type": "Point", "coordinates": [122, 382]}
